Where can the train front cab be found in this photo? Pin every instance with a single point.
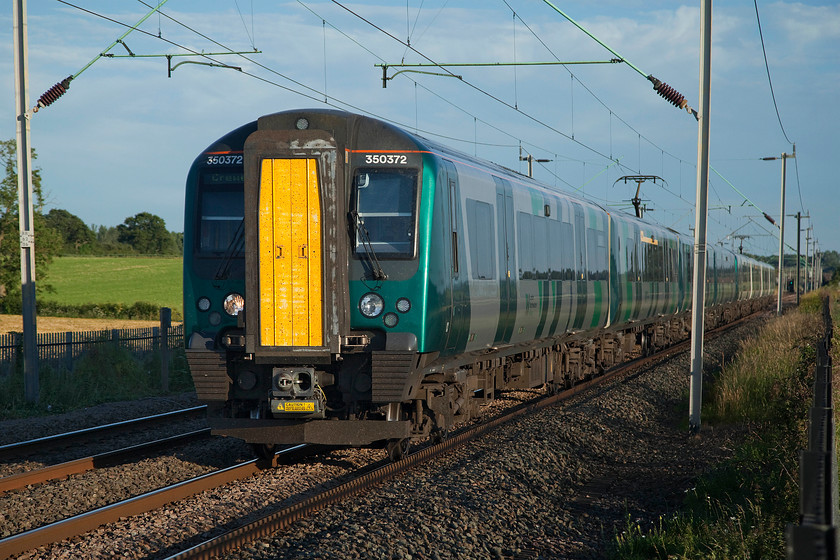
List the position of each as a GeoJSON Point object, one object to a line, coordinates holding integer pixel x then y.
{"type": "Point", "coordinates": [336, 284]}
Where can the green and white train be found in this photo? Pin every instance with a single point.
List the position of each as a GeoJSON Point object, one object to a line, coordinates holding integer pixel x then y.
{"type": "Point", "coordinates": [347, 282]}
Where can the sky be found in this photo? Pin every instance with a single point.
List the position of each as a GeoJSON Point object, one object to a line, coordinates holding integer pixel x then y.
{"type": "Point", "coordinates": [122, 139]}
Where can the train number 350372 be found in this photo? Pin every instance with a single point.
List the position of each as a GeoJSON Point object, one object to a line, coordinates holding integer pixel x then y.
{"type": "Point", "coordinates": [391, 159]}
{"type": "Point", "coordinates": [224, 159]}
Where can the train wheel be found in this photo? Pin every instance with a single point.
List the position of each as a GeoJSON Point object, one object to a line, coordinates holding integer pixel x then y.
{"type": "Point", "coordinates": [396, 449]}
{"type": "Point", "coordinates": [264, 450]}
{"type": "Point", "coordinates": [439, 435]}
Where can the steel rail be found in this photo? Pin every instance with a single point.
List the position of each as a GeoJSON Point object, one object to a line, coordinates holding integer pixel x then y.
{"type": "Point", "coordinates": [281, 519]}
{"type": "Point", "coordinates": [109, 458]}
{"type": "Point", "coordinates": [88, 521]}
{"type": "Point", "coordinates": [50, 442]}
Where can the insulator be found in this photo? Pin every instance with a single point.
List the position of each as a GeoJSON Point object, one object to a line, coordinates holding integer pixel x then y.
{"type": "Point", "coordinates": [52, 94]}
{"type": "Point", "coordinates": [672, 95]}
{"type": "Point", "coordinates": [669, 93]}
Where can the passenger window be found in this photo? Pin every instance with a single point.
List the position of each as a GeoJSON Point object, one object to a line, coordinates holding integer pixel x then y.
{"type": "Point", "coordinates": [526, 244]}
{"type": "Point", "coordinates": [482, 245]}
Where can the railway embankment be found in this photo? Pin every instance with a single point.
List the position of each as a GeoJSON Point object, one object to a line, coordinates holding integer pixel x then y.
{"type": "Point", "coordinates": [742, 507]}
{"type": "Point", "coordinates": [615, 473]}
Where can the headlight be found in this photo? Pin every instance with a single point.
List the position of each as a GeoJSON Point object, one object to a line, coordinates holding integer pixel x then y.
{"type": "Point", "coordinates": [391, 320]}
{"type": "Point", "coordinates": [203, 303]}
{"type": "Point", "coordinates": [371, 305]}
{"type": "Point", "coordinates": [403, 305]}
{"type": "Point", "coordinates": [246, 380]}
{"type": "Point", "coordinates": [234, 303]}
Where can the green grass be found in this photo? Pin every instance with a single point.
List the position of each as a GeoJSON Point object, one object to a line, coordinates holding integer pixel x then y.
{"type": "Point", "coordinates": [103, 374]}
{"type": "Point", "coordinates": [741, 508]}
{"type": "Point", "coordinates": [119, 280]}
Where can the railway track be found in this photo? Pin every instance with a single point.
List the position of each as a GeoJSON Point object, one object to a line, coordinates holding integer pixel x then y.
{"type": "Point", "coordinates": [80, 524]}
{"type": "Point", "coordinates": [101, 460]}
{"type": "Point", "coordinates": [280, 519]}
{"type": "Point", "coordinates": [22, 448]}
{"type": "Point", "coordinates": [275, 520]}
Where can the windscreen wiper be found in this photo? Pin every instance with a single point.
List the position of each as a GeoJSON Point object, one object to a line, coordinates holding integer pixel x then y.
{"type": "Point", "coordinates": [364, 236]}
{"type": "Point", "coordinates": [233, 248]}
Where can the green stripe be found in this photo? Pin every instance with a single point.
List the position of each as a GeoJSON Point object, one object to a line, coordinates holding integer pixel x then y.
{"type": "Point", "coordinates": [599, 299]}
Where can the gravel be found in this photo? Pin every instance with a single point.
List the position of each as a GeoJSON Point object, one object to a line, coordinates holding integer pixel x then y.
{"type": "Point", "coordinates": [559, 483]}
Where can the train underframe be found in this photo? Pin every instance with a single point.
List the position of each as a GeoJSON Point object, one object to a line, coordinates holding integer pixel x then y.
{"type": "Point", "coordinates": [390, 397]}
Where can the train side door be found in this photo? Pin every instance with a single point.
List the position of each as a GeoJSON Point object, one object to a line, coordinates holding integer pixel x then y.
{"type": "Point", "coordinates": [581, 265]}
{"type": "Point", "coordinates": [507, 286]}
{"type": "Point", "coordinates": [460, 291]}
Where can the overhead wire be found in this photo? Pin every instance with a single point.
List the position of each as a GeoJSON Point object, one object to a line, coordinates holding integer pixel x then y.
{"type": "Point", "coordinates": [251, 33]}
{"type": "Point", "coordinates": [588, 89]}
{"type": "Point", "coordinates": [201, 54]}
{"type": "Point", "coordinates": [767, 67]}
{"type": "Point", "coordinates": [339, 103]}
{"type": "Point", "coordinates": [470, 84]}
{"type": "Point", "coordinates": [51, 95]}
{"type": "Point", "coordinates": [612, 113]}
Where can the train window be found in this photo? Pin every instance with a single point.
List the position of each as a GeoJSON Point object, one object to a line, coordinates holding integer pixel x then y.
{"type": "Point", "coordinates": [598, 263]}
{"type": "Point", "coordinates": [580, 242]}
{"type": "Point", "coordinates": [555, 249]}
{"type": "Point", "coordinates": [482, 246]}
{"type": "Point", "coordinates": [221, 212]}
{"type": "Point", "coordinates": [540, 240]}
{"type": "Point", "coordinates": [386, 203]}
{"type": "Point", "coordinates": [568, 244]}
{"type": "Point", "coordinates": [526, 246]}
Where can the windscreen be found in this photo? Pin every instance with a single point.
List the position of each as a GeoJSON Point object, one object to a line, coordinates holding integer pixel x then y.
{"type": "Point", "coordinates": [220, 215]}
{"type": "Point", "coordinates": [386, 204]}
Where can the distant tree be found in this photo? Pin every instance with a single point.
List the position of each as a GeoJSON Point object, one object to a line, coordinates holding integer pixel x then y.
{"type": "Point", "coordinates": [831, 261]}
{"type": "Point", "coordinates": [47, 242]}
{"type": "Point", "coordinates": [76, 235]}
{"type": "Point", "coordinates": [146, 233]}
{"type": "Point", "coordinates": [178, 241]}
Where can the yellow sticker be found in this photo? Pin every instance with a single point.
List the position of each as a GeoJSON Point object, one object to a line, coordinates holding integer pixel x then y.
{"type": "Point", "coordinates": [295, 406]}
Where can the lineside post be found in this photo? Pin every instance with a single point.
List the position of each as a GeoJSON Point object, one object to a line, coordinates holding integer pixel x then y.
{"type": "Point", "coordinates": [701, 216]}
{"type": "Point", "coordinates": [26, 214]}
{"type": "Point", "coordinates": [165, 324]}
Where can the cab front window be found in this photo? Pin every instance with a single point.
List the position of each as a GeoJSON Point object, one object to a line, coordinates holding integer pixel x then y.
{"type": "Point", "coordinates": [221, 211]}
{"type": "Point", "coordinates": [386, 209]}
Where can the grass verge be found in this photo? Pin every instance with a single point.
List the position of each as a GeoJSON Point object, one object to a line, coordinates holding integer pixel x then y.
{"type": "Point", "coordinates": [741, 509]}
{"type": "Point", "coordinates": [107, 373]}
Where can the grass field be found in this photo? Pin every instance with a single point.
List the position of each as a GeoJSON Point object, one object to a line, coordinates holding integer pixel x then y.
{"type": "Point", "coordinates": [123, 280]}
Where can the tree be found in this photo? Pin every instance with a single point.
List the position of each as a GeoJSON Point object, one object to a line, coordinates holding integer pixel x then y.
{"type": "Point", "coordinates": [46, 240]}
{"type": "Point", "coordinates": [831, 261]}
{"type": "Point", "coordinates": [146, 233]}
{"type": "Point", "coordinates": [77, 237]}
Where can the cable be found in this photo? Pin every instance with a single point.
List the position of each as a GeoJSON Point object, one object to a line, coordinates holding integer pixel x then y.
{"type": "Point", "coordinates": [478, 89]}
{"type": "Point", "coordinates": [250, 34]}
{"type": "Point", "coordinates": [59, 89]}
{"type": "Point", "coordinates": [338, 103]}
{"type": "Point", "coordinates": [588, 90]}
{"type": "Point", "coordinates": [767, 66]}
{"type": "Point", "coordinates": [663, 89]}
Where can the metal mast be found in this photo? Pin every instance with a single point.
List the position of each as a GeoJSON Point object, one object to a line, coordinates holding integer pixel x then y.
{"type": "Point", "coordinates": [701, 216]}
{"type": "Point", "coordinates": [25, 211]}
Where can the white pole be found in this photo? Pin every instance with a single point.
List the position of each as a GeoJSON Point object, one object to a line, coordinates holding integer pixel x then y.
{"type": "Point", "coordinates": [782, 238]}
{"type": "Point", "coordinates": [27, 220]}
{"type": "Point", "coordinates": [701, 216]}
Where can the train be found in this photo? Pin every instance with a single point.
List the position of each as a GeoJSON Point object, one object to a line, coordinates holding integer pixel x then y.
{"type": "Point", "coordinates": [351, 283]}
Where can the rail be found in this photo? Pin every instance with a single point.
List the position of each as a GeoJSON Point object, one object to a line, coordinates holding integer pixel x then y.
{"type": "Point", "coordinates": [816, 536]}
